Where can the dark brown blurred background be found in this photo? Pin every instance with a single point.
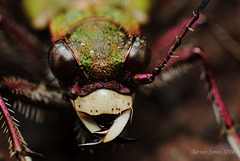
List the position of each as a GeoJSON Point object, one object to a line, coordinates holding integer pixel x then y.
{"type": "Point", "coordinates": [171, 121]}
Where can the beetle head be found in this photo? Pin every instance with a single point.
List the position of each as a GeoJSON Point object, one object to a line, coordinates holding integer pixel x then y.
{"type": "Point", "coordinates": [98, 69]}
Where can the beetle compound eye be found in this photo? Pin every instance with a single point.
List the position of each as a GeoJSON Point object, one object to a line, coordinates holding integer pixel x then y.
{"type": "Point", "coordinates": [139, 56]}
{"type": "Point", "coordinates": [61, 61]}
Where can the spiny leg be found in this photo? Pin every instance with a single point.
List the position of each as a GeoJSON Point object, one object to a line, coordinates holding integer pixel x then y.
{"type": "Point", "coordinates": [222, 116]}
{"type": "Point", "coordinates": [17, 145]}
{"type": "Point", "coordinates": [31, 95]}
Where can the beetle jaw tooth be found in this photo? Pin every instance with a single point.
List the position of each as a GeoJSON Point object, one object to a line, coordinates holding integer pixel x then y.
{"type": "Point", "coordinates": [111, 133]}
{"type": "Point", "coordinates": [104, 112]}
{"type": "Point", "coordinates": [118, 126]}
{"type": "Point", "coordinates": [88, 121]}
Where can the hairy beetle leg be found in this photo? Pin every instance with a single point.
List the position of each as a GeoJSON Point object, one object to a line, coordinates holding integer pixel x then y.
{"type": "Point", "coordinates": [17, 145]}
{"type": "Point", "coordinates": [222, 116]}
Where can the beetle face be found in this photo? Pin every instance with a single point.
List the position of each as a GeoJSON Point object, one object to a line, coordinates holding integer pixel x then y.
{"type": "Point", "coordinates": [96, 62]}
{"type": "Point", "coordinates": [104, 112]}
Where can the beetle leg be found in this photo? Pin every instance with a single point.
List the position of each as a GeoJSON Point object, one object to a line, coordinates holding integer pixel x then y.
{"type": "Point", "coordinates": [32, 94]}
{"type": "Point", "coordinates": [222, 116]}
{"type": "Point", "coordinates": [17, 145]}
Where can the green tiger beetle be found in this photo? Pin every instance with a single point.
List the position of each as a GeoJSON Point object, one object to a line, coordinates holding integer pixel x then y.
{"type": "Point", "coordinates": [99, 59]}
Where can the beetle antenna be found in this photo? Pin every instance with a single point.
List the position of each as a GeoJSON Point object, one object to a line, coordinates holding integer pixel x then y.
{"type": "Point", "coordinates": [149, 78]}
{"type": "Point", "coordinates": [178, 39]}
{"type": "Point", "coordinates": [201, 7]}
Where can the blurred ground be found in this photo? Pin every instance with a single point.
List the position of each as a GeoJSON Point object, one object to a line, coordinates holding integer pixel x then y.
{"type": "Point", "coordinates": [174, 122]}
